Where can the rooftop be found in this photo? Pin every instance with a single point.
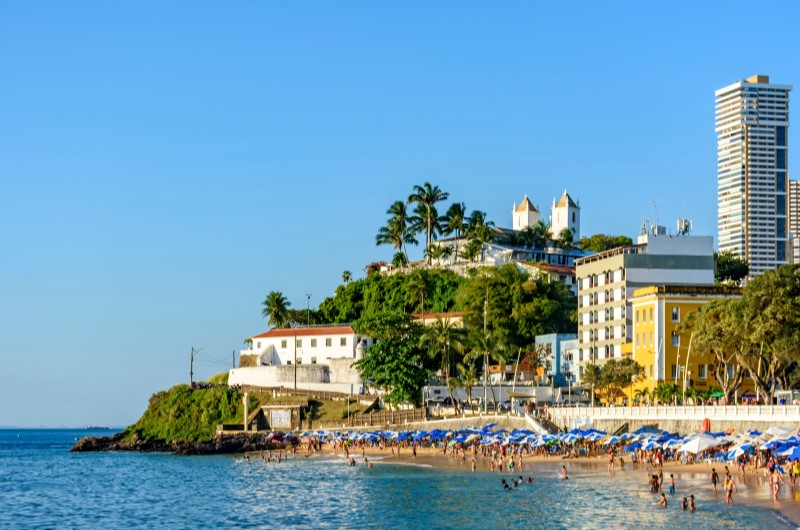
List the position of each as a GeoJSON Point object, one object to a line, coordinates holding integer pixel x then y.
{"type": "Point", "coordinates": [310, 331]}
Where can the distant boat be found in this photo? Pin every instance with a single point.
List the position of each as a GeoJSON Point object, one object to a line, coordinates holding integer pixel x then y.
{"type": "Point", "coordinates": [97, 428]}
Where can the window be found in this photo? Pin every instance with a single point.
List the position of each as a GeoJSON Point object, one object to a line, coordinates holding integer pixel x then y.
{"type": "Point", "coordinates": [651, 314]}
{"type": "Point", "coordinates": [730, 371]}
{"type": "Point", "coordinates": [651, 339]}
{"type": "Point", "coordinates": [313, 343]}
{"type": "Point", "coordinates": [676, 339]}
{"type": "Point", "coordinates": [651, 371]}
{"type": "Point", "coordinates": [676, 314]}
{"type": "Point", "coordinates": [637, 340]}
{"type": "Point", "coordinates": [258, 345]}
{"type": "Point", "coordinates": [288, 362]}
{"type": "Point", "coordinates": [637, 316]}
{"type": "Point", "coordinates": [298, 343]}
{"type": "Point", "coordinates": [313, 360]}
{"type": "Point", "coordinates": [329, 342]}
{"type": "Point", "coordinates": [701, 371]}
{"type": "Point", "coordinates": [283, 343]}
{"type": "Point", "coordinates": [343, 341]}
{"type": "Point", "coordinates": [674, 372]}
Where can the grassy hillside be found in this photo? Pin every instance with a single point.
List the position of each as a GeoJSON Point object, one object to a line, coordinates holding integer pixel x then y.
{"type": "Point", "coordinates": [184, 413]}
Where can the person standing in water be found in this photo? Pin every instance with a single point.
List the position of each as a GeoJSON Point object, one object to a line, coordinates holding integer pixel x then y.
{"type": "Point", "coordinates": [714, 480]}
{"type": "Point", "coordinates": [564, 472]}
{"type": "Point", "coordinates": [730, 487]}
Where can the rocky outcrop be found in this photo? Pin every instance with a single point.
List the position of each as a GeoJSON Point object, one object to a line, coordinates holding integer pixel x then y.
{"type": "Point", "coordinates": [125, 441]}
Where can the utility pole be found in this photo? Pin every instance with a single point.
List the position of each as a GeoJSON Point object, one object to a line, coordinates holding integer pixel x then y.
{"type": "Point", "coordinates": [308, 309]}
{"type": "Point", "coordinates": [233, 358]}
{"type": "Point", "coordinates": [191, 368]}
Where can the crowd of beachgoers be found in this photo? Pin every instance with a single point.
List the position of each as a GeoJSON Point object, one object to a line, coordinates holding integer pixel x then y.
{"type": "Point", "coordinates": [773, 456]}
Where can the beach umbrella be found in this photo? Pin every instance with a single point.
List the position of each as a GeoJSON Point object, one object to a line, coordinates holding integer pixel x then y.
{"type": "Point", "coordinates": [778, 432]}
{"type": "Point", "coordinates": [698, 444]}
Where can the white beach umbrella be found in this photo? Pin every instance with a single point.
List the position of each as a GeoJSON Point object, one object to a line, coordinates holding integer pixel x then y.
{"type": "Point", "coordinates": [698, 444]}
{"type": "Point", "coordinates": [778, 432]}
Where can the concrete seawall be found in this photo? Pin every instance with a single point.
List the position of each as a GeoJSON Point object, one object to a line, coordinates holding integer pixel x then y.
{"type": "Point", "coordinates": [683, 420]}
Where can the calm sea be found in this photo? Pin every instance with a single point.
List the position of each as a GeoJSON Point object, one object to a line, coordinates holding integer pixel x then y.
{"type": "Point", "coordinates": [42, 485]}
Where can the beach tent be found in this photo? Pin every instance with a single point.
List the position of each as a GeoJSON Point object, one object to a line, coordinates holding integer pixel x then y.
{"type": "Point", "coordinates": [698, 444]}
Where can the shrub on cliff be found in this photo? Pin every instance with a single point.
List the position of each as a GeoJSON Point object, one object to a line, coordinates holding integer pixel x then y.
{"type": "Point", "coordinates": [184, 413]}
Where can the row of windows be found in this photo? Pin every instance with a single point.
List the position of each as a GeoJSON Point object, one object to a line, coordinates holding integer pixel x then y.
{"type": "Point", "coordinates": [299, 343]}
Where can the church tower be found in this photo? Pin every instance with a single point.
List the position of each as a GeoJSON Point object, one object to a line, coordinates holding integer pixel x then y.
{"type": "Point", "coordinates": [565, 213]}
{"type": "Point", "coordinates": [525, 215]}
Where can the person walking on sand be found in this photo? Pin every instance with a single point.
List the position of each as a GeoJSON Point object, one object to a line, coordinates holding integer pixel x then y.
{"type": "Point", "coordinates": [730, 487]}
{"type": "Point", "coordinates": [714, 480]}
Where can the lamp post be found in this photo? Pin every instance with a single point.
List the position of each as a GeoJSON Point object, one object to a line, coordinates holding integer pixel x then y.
{"type": "Point", "coordinates": [308, 309]}
{"type": "Point", "coordinates": [485, 359]}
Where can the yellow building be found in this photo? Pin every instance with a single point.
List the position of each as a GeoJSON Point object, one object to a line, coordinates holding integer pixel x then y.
{"type": "Point", "coordinates": [661, 348]}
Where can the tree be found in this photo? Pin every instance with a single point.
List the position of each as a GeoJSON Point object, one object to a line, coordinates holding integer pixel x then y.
{"type": "Point", "coordinates": [565, 239]}
{"type": "Point", "coordinates": [346, 277]}
{"type": "Point", "coordinates": [609, 379]}
{"type": "Point", "coordinates": [603, 242]}
{"type": "Point", "coordinates": [456, 221]}
{"type": "Point", "coordinates": [729, 268]}
{"type": "Point", "coordinates": [478, 227]}
{"type": "Point", "coordinates": [276, 308]}
{"type": "Point", "coordinates": [541, 235]}
{"type": "Point", "coordinates": [469, 379]}
{"type": "Point", "coordinates": [395, 363]}
{"type": "Point", "coordinates": [472, 250]}
{"type": "Point", "coordinates": [415, 290]}
{"type": "Point", "coordinates": [770, 315]}
{"type": "Point", "coordinates": [666, 392]}
{"type": "Point", "coordinates": [426, 215]}
{"type": "Point", "coordinates": [717, 329]}
{"type": "Point", "coordinates": [642, 395]}
{"type": "Point", "coordinates": [399, 260]}
{"type": "Point", "coordinates": [442, 339]}
{"type": "Point", "coordinates": [453, 383]}
{"type": "Point", "coordinates": [398, 230]}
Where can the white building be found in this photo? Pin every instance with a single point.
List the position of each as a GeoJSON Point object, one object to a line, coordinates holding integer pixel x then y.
{"type": "Point", "coordinates": [565, 213]}
{"type": "Point", "coordinates": [319, 358]}
{"type": "Point", "coordinates": [794, 218]}
{"type": "Point", "coordinates": [752, 122]}
{"type": "Point", "coordinates": [525, 215]}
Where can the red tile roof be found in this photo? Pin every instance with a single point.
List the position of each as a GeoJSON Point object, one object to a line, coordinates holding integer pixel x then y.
{"type": "Point", "coordinates": [306, 332]}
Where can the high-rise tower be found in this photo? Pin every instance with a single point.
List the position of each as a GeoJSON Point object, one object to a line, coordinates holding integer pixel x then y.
{"type": "Point", "coordinates": [752, 121]}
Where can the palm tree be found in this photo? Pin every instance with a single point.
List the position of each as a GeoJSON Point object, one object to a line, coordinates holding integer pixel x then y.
{"type": "Point", "coordinates": [565, 239]}
{"type": "Point", "coordinates": [472, 250]}
{"type": "Point", "coordinates": [453, 383]}
{"type": "Point", "coordinates": [456, 221]}
{"type": "Point", "coordinates": [426, 216]}
{"type": "Point", "coordinates": [478, 227]}
{"type": "Point", "coordinates": [541, 235]}
{"type": "Point", "coordinates": [440, 339]}
{"type": "Point", "coordinates": [346, 277]}
{"type": "Point", "coordinates": [468, 379]}
{"type": "Point", "coordinates": [276, 309]}
{"type": "Point", "coordinates": [398, 231]}
{"type": "Point", "coordinates": [399, 260]}
{"type": "Point", "coordinates": [484, 346]}
{"type": "Point", "coordinates": [642, 395]}
{"type": "Point", "coordinates": [415, 290]}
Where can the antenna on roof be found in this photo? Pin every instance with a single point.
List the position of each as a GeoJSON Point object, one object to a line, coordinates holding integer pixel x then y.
{"type": "Point", "coordinates": [684, 226]}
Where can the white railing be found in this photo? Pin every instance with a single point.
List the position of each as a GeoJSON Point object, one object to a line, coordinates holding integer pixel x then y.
{"type": "Point", "coordinates": [783, 413]}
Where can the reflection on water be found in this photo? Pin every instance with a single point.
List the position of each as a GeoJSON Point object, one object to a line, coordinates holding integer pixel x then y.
{"type": "Point", "coordinates": [45, 486]}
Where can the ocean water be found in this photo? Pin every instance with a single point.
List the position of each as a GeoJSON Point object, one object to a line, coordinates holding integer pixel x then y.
{"type": "Point", "coordinates": [42, 485]}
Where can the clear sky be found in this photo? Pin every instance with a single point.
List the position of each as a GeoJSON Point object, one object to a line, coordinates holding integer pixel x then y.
{"type": "Point", "coordinates": [164, 165]}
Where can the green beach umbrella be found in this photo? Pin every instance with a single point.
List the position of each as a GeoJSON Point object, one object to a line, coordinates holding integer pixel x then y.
{"type": "Point", "coordinates": [717, 394]}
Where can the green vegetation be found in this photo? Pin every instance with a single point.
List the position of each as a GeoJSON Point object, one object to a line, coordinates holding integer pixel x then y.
{"type": "Point", "coordinates": [729, 269]}
{"type": "Point", "coordinates": [602, 242]}
{"type": "Point", "coordinates": [184, 413]}
{"type": "Point", "coordinates": [609, 379]}
{"type": "Point", "coordinates": [219, 379]}
{"type": "Point", "coordinates": [760, 332]}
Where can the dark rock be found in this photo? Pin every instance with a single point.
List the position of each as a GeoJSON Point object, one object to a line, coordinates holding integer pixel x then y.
{"type": "Point", "coordinates": [237, 443]}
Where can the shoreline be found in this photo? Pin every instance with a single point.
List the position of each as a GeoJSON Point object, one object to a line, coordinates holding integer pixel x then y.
{"type": "Point", "coordinates": [693, 479]}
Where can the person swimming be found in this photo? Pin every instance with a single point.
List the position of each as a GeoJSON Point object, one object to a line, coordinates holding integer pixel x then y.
{"type": "Point", "coordinates": [684, 504]}
{"type": "Point", "coordinates": [692, 507]}
{"type": "Point", "coordinates": [662, 502]}
{"type": "Point", "coordinates": [564, 472]}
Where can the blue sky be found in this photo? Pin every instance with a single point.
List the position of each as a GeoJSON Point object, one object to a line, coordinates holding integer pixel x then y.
{"type": "Point", "coordinates": [165, 165]}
